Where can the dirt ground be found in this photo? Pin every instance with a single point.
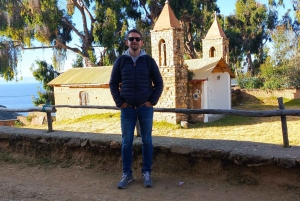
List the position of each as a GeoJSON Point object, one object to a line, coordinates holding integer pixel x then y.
{"type": "Point", "coordinates": [76, 183]}
{"type": "Point", "coordinates": [79, 183]}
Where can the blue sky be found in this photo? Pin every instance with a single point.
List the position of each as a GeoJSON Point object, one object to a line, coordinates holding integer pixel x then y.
{"type": "Point", "coordinates": [28, 57]}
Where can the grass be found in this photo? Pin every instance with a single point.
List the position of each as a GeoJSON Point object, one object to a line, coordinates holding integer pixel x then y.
{"type": "Point", "coordinates": [18, 124]}
{"type": "Point", "coordinates": [226, 121]}
{"type": "Point", "coordinates": [237, 128]}
{"type": "Point", "coordinates": [93, 117]}
{"type": "Point", "coordinates": [165, 125]}
{"type": "Point", "coordinates": [7, 157]}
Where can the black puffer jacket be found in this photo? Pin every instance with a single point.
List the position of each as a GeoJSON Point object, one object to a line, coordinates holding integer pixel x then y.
{"type": "Point", "coordinates": [132, 83]}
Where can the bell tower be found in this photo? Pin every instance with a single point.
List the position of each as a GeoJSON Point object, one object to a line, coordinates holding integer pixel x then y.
{"type": "Point", "coordinates": [167, 39]}
{"type": "Point", "coordinates": [215, 43]}
{"type": "Point", "coordinates": [167, 50]}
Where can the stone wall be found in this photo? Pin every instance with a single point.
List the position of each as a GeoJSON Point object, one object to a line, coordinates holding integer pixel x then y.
{"type": "Point", "coordinates": [221, 46]}
{"type": "Point", "coordinates": [174, 94]}
{"type": "Point", "coordinates": [240, 95]}
{"type": "Point", "coordinates": [285, 93]}
{"type": "Point", "coordinates": [167, 45]}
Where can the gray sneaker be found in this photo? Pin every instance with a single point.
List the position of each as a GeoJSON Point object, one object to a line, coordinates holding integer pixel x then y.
{"type": "Point", "coordinates": [148, 182]}
{"type": "Point", "coordinates": [126, 179]}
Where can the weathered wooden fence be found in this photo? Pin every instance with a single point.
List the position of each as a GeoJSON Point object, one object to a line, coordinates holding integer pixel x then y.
{"type": "Point", "coordinates": [282, 112]}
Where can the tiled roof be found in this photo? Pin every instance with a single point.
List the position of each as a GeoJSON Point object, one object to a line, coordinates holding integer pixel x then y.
{"type": "Point", "coordinates": [167, 19]}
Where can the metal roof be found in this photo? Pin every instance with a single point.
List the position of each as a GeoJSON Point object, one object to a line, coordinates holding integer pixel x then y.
{"type": "Point", "coordinates": [202, 68]}
{"type": "Point", "coordinates": [83, 76]}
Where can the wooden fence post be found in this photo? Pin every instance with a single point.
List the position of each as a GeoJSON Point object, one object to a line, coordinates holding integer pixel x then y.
{"type": "Point", "coordinates": [49, 121]}
{"type": "Point", "coordinates": [283, 125]}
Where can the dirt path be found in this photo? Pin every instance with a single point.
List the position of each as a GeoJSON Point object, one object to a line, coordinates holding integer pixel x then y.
{"type": "Point", "coordinates": [19, 182]}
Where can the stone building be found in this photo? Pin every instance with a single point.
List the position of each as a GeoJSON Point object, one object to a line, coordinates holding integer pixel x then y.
{"type": "Point", "coordinates": [167, 50]}
{"type": "Point", "coordinates": [215, 43]}
{"type": "Point", "coordinates": [209, 88]}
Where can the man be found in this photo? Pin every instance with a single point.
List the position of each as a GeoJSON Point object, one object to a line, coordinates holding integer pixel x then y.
{"type": "Point", "coordinates": [136, 87]}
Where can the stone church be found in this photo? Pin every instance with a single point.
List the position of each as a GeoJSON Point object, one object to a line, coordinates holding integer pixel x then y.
{"type": "Point", "coordinates": [207, 88]}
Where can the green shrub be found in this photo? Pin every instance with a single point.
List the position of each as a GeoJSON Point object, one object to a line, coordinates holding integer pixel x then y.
{"type": "Point", "coordinates": [246, 82]}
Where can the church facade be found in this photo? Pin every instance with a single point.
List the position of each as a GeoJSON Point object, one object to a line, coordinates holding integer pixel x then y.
{"type": "Point", "coordinates": [206, 89]}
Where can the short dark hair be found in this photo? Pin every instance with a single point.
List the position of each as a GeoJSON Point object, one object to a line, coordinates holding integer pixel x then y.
{"type": "Point", "coordinates": [134, 31]}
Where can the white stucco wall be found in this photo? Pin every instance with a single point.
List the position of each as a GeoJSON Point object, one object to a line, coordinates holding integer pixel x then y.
{"type": "Point", "coordinates": [217, 94]}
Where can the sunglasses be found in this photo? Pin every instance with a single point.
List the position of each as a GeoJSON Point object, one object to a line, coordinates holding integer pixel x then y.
{"type": "Point", "coordinates": [137, 39]}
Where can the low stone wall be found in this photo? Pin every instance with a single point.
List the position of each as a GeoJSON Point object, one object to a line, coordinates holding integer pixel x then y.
{"type": "Point", "coordinates": [67, 145]}
{"type": "Point", "coordinates": [293, 93]}
{"type": "Point", "coordinates": [239, 95]}
{"type": "Point", "coordinates": [240, 162]}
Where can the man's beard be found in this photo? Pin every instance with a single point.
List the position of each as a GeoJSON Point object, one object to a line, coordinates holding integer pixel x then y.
{"type": "Point", "coordinates": [134, 48]}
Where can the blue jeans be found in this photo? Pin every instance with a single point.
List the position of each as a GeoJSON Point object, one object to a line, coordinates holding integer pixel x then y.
{"type": "Point", "coordinates": [129, 116]}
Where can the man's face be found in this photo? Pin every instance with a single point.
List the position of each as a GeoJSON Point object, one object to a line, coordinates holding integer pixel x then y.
{"type": "Point", "coordinates": [132, 41]}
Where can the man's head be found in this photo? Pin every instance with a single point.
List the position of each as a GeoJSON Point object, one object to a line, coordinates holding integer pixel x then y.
{"type": "Point", "coordinates": [134, 31]}
{"type": "Point", "coordinates": [134, 40]}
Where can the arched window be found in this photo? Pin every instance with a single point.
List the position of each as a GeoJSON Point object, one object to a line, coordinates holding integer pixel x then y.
{"type": "Point", "coordinates": [162, 53]}
{"type": "Point", "coordinates": [212, 52]}
{"type": "Point", "coordinates": [83, 98]}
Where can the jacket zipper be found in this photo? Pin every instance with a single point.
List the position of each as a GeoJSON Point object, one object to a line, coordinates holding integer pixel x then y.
{"type": "Point", "coordinates": [134, 65]}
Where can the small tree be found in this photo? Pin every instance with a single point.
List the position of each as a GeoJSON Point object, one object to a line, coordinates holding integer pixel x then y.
{"type": "Point", "coordinates": [281, 69]}
{"type": "Point", "coordinates": [44, 73]}
{"type": "Point", "coordinates": [273, 76]}
{"type": "Point", "coordinates": [246, 81]}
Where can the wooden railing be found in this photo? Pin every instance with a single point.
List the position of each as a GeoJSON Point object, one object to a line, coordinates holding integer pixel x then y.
{"type": "Point", "coordinates": [282, 112]}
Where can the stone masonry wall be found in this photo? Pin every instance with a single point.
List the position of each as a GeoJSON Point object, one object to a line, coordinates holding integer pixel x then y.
{"type": "Point", "coordinates": [174, 94]}
{"type": "Point", "coordinates": [285, 93]}
{"type": "Point", "coordinates": [221, 46]}
{"type": "Point", "coordinates": [174, 46]}
{"type": "Point", "coordinates": [167, 45]}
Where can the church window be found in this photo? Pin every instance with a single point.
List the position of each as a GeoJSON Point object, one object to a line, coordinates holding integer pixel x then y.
{"type": "Point", "coordinates": [162, 53]}
{"type": "Point", "coordinates": [212, 52]}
